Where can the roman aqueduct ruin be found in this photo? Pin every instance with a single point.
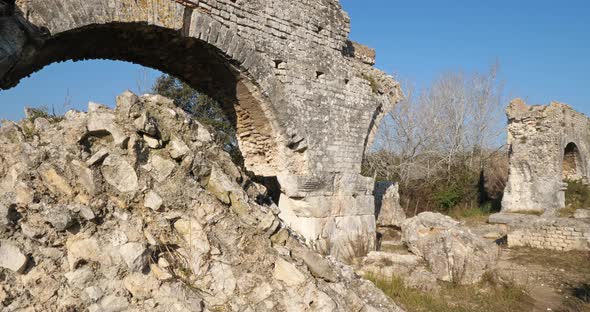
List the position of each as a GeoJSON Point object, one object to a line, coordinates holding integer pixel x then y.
{"type": "Point", "coordinates": [305, 100]}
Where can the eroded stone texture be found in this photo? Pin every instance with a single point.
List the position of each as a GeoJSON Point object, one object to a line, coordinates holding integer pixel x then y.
{"type": "Point", "coordinates": [548, 145]}
{"type": "Point", "coordinates": [306, 101]}
{"type": "Point", "coordinates": [452, 251]}
{"type": "Point", "coordinates": [562, 234]}
{"type": "Point", "coordinates": [389, 211]}
{"type": "Point", "coordinates": [205, 248]}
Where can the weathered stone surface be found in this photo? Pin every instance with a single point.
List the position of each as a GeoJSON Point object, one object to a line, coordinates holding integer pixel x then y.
{"type": "Point", "coordinates": [86, 213]}
{"type": "Point", "coordinates": [318, 266]}
{"type": "Point", "coordinates": [101, 120]}
{"type": "Point", "coordinates": [120, 174]}
{"type": "Point", "coordinates": [160, 168]}
{"type": "Point", "coordinates": [54, 181]}
{"type": "Point", "coordinates": [79, 278]}
{"type": "Point", "coordinates": [147, 125]}
{"type": "Point", "coordinates": [152, 142]}
{"type": "Point", "coordinates": [549, 145]}
{"type": "Point", "coordinates": [152, 200]}
{"type": "Point", "coordinates": [177, 148]}
{"type": "Point", "coordinates": [582, 214]}
{"type": "Point", "coordinates": [140, 286]}
{"type": "Point", "coordinates": [220, 185]}
{"type": "Point", "coordinates": [59, 217]}
{"type": "Point", "coordinates": [135, 255]}
{"type": "Point", "coordinates": [110, 303]}
{"type": "Point", "coordinates": [422, 279]}
{"type": "Point", "coordinates": [387, 207]}
{"type": "Point", "coordinates": [385, 264]}
{"type": "Point", "coordinates": [11, 257]}
{"type": "Point", "coordinates": [288, 273]}
{"type": "Point", "coordinates": [309, 116]}
{"type": "Point", "coordinates": [511, 219]}
{"type": "Point", "coordinates": [98, 157]}
{"type": "Point", "coordinates": [129, 258]}
{"type": "Point", "coordinates": [85, 176]}
{"type": "Point", "coordinates": [81, 248]}
{"type": "Point", "coordinates": [94, 293]}
{"type": "Point", "coordinates": [561, 234]}
{"type": "Point", "coordinates": [452, 252]}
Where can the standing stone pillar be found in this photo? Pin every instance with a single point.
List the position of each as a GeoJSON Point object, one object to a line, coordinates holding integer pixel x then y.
{"type": "Point", "coordinates": [335, 214]}
{"type": "Point", "coordinates": [539, 138]}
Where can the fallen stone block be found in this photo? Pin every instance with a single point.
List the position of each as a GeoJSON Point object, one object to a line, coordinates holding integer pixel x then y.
{"type": "Point", "coordinates": [12, 258]}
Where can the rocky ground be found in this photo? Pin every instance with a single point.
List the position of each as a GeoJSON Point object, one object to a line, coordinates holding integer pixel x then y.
{"type": "Point", "coordinates": [138, 209]}
{"type": "Point", "coordinates": [520, 279]}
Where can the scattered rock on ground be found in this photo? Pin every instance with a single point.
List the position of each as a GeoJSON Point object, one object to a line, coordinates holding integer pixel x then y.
{"type": "Point", "coordinates": [74, 200]}
{"type": "Point", "coordinates": [11, 257]}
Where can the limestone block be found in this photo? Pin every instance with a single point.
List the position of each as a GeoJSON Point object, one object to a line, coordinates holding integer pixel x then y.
{"type": "Point", "coordinates": [177, 148]}
{"type": "Point", "coordinates": [11, 257]}
{"type": "Point", "coordinates": [98, 157]}
{"type": "Point", "coordinates": [452, 252]}
{"type": "Point", "coordinates": [153, 201]}
{"type": "Point", "coordinates": [84, 175]}
{"type": "Point", "coordinates": [101, 121]}
{"type": "Point", "coordinates": [117, 171]}
{"type": "Point", "coordinates": [135, 255]}
{"type": "Point", "coordinates": [388, 209]}
{"type": "Point", "coordinates": [160, 168]}
{"type": "Point", "coordinates": [288, 273]}
{"type": "Point", "coordinates": [54, 181]}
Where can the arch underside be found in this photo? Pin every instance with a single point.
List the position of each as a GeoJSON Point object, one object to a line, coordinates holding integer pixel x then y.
{"type": "Point", "coordinates": [201, 65]}
{"type": "Point", "coordinates": [304, 111]}
{"type": "Point", "coordinates": [572, 163]}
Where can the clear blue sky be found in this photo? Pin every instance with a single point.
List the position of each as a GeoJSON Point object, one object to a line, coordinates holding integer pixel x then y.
{"type": "Point", "coordinates": [543, 47]}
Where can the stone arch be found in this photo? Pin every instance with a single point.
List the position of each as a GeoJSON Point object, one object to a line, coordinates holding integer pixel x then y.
{"type": "Point", "coordinates": [164, 35]}
{"type": "Point", "coordinates": [572, 166]}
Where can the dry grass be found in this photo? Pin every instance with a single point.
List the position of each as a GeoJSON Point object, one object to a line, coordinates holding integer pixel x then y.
{"type": "Point", "coordinates": [490, 295]}
{"type": "Point", "coordinates": [573, 261]}
{"type": "Point", "coordinates": [567, 270]}
{"type": "Point", "coordinates": [471, 215]}
{"type": "Point", "coordinates": [567, 212]}
{"type": "Point", "coordinates": [527, 212]}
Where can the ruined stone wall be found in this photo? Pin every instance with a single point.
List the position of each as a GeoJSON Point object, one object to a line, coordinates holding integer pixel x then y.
{"type": "Point", "coordinates": [561, 234]}
{"type": "Point", "coordinates": [538, 137]}
{"type": "Point", "coordinates": [138, 209]}
{"type": "Point", "coordinates": [306, 102]}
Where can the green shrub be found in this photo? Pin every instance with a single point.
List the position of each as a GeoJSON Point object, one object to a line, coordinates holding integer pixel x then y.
{"type": "Point", "coordinates": [448, 197]}
{"type": "Point", "coordinates": [577, 195]}
{"type": "Point", "coordinates": [372, 82]}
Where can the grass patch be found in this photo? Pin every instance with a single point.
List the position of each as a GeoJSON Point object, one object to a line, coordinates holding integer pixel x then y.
{"type": "Point", "coordinates": [577, 195]}
{"type": "Point", "coordinates": [567, 212]}
{"type": "Point", "coordinates": [472, 215]}
{"type": "Point", "coordinates": [372, 82]}
{"type": "Point", "coordinates": [573, 261]}
{"type": "Point", "coordinates": [395, 249]}
{"type": "Point", "coordinates": [43, 112]}
{"type": "Point", "coordinates": [490, 295]}
{"type": "Point", "coordinates": [528, 212]}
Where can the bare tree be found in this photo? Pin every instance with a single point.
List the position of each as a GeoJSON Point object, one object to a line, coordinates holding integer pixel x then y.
{"type": "Point", "coordinates": [454, 123]}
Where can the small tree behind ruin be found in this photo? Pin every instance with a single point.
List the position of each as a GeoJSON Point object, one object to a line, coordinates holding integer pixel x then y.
{"type": "Point", "coordinates": [204, 108]}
